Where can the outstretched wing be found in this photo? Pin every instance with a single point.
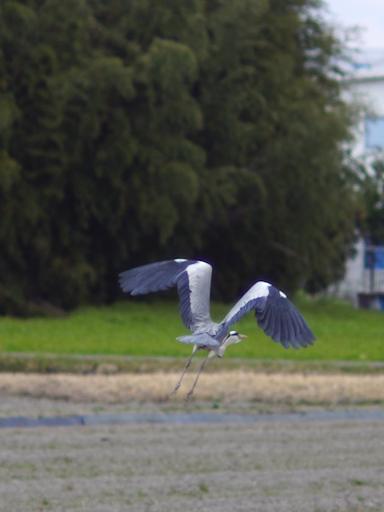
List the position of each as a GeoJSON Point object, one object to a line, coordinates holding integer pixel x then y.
{"type": "Point", "coordinates": [193, 281]}
{"type": "Point", "coordinates": [275, 314]}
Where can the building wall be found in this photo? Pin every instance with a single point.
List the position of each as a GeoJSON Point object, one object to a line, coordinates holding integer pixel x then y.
{"type": "Point", "coordinates": [366, 88]}
{"type": "Point", "coordinates": [359, 278]}
{"type": "Point", "coordinates": [354, 279]}
{"type": "Point", "coordinates": [370, 94]}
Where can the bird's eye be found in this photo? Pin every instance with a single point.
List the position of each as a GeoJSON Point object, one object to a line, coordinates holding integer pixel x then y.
{"type": "Point", "coordinates": [233, 333]}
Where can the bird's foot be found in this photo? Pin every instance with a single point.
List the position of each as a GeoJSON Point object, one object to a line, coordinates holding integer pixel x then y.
{"type": "Point", "coordinates": [174, 391]}
{"type": "Point", "coordinates": [189, 396]}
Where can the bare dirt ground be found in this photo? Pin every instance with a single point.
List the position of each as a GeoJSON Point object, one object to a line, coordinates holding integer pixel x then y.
{"type": "Point", "coordinates": [266, 466]}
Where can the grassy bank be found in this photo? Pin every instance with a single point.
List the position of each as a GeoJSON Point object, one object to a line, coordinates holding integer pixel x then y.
{"type": "Point", "coordinates": [149, 329]}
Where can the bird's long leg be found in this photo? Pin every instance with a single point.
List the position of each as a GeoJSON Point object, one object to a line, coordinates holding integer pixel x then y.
{"type": "Point", "coordinates": [202, 366]}
{"type": "Point", "coordinates": [187, 365]}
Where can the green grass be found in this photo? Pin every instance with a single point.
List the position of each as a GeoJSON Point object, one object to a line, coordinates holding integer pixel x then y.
{"type": "Point", "coordinates": [149, 329]}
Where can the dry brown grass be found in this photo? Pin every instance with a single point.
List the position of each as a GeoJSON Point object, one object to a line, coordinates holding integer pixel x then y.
{"type": "Point", "coordinates": [226, 386]}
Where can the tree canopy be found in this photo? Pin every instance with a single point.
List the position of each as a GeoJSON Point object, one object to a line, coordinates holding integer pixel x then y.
{"type": "Point", "coordinates": [135, 130]}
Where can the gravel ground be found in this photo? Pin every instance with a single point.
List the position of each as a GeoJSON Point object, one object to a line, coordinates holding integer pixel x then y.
{"type": "Point", "coordinates": [266, 466]}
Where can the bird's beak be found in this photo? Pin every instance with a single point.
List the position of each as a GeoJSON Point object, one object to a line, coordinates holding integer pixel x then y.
{"type": "Point", "coordinates": [242, 336]}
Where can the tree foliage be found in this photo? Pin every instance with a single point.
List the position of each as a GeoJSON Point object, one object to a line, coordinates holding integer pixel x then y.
{"type": "Point", "coordinates": [132, 131]}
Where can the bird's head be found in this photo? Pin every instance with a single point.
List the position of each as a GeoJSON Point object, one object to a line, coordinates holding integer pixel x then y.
{"type": "Point", "coordinates": [234, 337]}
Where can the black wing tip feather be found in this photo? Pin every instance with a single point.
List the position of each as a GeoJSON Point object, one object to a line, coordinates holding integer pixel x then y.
{"type": "Point", "coordinates": [301, 339]}
{"type": "Point", "coordinates": [282, 322]}
{"type": "Point", "coordinates": [123, 282]}
{"type": "Point", "coordinates": [157, 276]}
{"type": "Point", "coordinates": [297, 342]}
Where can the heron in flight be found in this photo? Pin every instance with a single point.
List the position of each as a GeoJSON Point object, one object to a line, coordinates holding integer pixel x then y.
{"type": "Point", "coordinates": [275, 314]}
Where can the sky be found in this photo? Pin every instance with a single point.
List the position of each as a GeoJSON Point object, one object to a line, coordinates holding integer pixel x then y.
{"type": "Point", "coordinates": [367, 14]}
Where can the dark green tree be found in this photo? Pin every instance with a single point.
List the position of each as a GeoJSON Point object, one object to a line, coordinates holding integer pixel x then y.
{"type": "Point", "coordinates": [271, 101]}
{"type": "Point", "coordinates": [137, 130]}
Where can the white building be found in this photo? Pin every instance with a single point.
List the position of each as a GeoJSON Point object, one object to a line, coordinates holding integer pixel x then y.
{"type": "Point", "coordinates": [364, 84]}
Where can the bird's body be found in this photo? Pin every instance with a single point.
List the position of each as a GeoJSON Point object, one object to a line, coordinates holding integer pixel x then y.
{"type": "Point", "coordinates": [275, 314]}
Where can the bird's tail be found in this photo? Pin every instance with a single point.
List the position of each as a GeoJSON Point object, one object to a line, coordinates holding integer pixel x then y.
{"type": "Point", "coordinates": [201, 340]}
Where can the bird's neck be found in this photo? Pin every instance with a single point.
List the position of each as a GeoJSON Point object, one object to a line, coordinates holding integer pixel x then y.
{"type": "Point", "coordinates": [223, 347]}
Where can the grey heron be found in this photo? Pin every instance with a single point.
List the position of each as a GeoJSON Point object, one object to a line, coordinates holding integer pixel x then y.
{"type": "Point", "coordinates": [275, 314]}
